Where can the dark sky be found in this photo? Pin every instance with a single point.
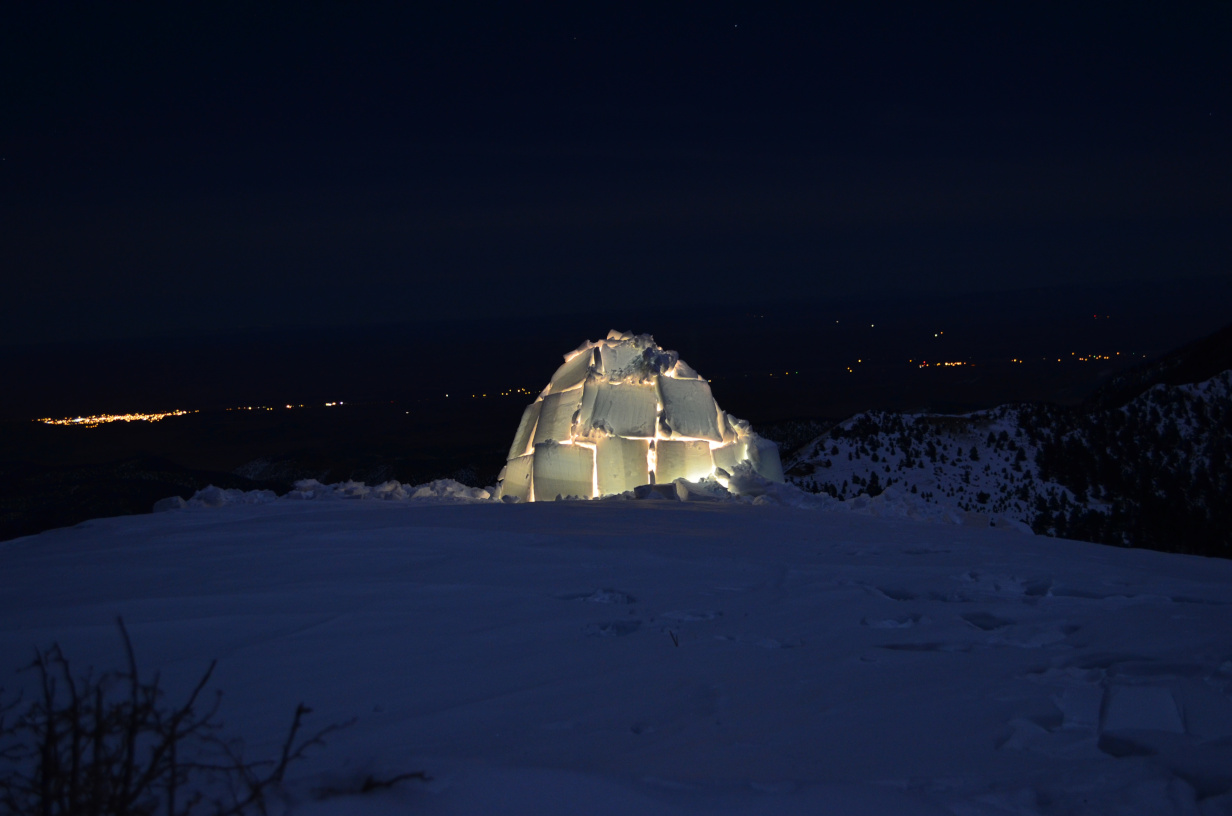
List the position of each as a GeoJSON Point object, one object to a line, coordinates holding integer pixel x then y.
{"type": "Point", "coordinates": [203, 167]}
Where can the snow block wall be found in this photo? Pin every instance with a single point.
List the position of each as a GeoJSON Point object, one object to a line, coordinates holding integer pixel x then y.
{"type": "Point", "coordinates": [623, 412]}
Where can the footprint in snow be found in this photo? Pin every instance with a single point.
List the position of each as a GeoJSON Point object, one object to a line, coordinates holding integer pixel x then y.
{"type": "Point", "coordinates": [617, 628]}
{"type": "Point", "coordinates": [899, 622]}
{"type": "Point", "coordinates": [899, 594]}
{"type": "Point", "coordinates": [986, 621]}
{"type": "Point", "coordinates": [603, 596]}
{"type": "Point", "coordinates": [896, 594]}
{"type": "Point", "coordinates": [1007, 586]}
{"type": "Point", "coordinates": [765, 643]}
{"type": "Point", "coordinates": [930, 646]}
{"type": "Point", "coordinates": [691, 615]}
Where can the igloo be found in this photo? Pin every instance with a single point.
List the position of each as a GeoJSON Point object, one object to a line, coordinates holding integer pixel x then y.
{"type": "Point", "coordinates": [621, 413]}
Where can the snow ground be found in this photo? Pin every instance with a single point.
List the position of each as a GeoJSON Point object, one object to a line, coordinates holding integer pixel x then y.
{"type": "Point", "coordinates": [526, 657]}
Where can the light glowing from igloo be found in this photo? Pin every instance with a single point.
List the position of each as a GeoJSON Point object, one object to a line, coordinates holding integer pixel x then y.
{"type": "Point", "coordinates": [620, 413]}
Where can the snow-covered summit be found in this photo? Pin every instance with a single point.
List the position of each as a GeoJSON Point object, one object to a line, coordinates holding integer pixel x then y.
{"type": "Point", "coordinates": [1138, 474]}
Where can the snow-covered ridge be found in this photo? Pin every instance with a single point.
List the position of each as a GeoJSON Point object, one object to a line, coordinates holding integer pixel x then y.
{"type": "Point", "coordinates": [1066, 472]}
{"type": "Point", "coordinates": [982, 462]}
{"type": "Point", "coordinates": [1189, 406]}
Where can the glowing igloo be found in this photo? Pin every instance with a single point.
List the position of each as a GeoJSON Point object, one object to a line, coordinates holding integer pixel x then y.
{"type": "Point", "coordinates": [621, 413]}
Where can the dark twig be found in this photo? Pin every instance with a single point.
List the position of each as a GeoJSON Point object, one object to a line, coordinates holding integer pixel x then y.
{"type": "Point", "coordinates": [371, 783]}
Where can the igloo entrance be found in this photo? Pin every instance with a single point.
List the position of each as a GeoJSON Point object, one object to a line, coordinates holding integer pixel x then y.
{"type": "Point", "coordinates": [621, 413]}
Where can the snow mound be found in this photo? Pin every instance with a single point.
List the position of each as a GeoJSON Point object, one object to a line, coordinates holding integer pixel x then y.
{"type": "Point", "coordinates": [623, 413]}
{"type": "Point", "coordinates": [212, 496]}
{"type": "Point", "coordinates": [392, 490]}
{"type": "Point", "coordinates": [312, 490]}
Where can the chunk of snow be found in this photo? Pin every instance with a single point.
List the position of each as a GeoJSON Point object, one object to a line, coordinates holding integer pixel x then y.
{"type": "Point", "coordinates": [573, 373]}
{"type": "Point", "coordinates": [764, 455]}
{"type": "Point", "coordinates": [563, 470]}
{"type": "Point", "coordinates": [556, 417]}
{"type": "Point", "coordinates": [701, 490]}
{"type": "Point", "coordinates": [391, 489]}
{"type": "Point", "coordinates": [684, 371]}
{"type": "Point", "coordinates": [448, 489]}
{"type": "Point", "coordinates": [516, 481]}
{"type": "Point", "coordinates": [620, 410]}
{"type": "Point", "coordinates": [731, 454]}
{"type": "Point", "coordinates": [681, 459]}
{"type": "Point", "coordinates": [169, 503]}
{"type": "Point", "coordinates": [351, 489]}
{"type": "Point", "coordinates": [621, 464]}
{"type": "Point", "coordinates": [212, 496]}
{"type": "Point", "coordinates": [622, 360]}
{"type": "Point", "coordinates": [657, 492]}
{"type": "Point", "coordinates": [525, 436]}
{"type": "Point", "coordinates": [688, 408]}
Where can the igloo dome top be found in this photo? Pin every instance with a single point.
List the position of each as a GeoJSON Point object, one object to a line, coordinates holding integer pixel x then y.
{"type": "Point", "coordinates": [623, 412]}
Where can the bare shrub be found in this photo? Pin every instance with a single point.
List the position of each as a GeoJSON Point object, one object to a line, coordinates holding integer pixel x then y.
{"type": "Point", "coordinates": [109, 745]}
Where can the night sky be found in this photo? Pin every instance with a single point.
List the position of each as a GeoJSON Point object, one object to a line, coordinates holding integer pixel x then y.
{"type": "Point", "coordinates": [211, 167]}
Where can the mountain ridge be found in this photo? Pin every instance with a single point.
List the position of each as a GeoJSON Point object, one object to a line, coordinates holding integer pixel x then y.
{"type": "Point", "coordinates": [1144, 462]}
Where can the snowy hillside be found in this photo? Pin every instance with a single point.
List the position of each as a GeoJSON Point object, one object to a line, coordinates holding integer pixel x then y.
{"type": "Point", "coordinates": [981, 462]}
{"type": "Point", "coordinates": [661, 657]}
{"type": "Point", "coordinates": [1153, 472]}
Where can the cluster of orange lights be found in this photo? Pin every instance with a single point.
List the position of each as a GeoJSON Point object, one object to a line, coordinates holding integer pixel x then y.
{"type": "Point", "coordinates": [508, 392]}
{"type": "Point", "coordinates": [103, 419]}
{"type": "Point", "coordinates": [927, 364]}
{"type": "Point", "coordinates": [287, 406]}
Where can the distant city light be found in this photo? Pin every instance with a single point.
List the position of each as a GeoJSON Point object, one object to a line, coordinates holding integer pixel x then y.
{"type": "Point", "coordinates": [102, 419]}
